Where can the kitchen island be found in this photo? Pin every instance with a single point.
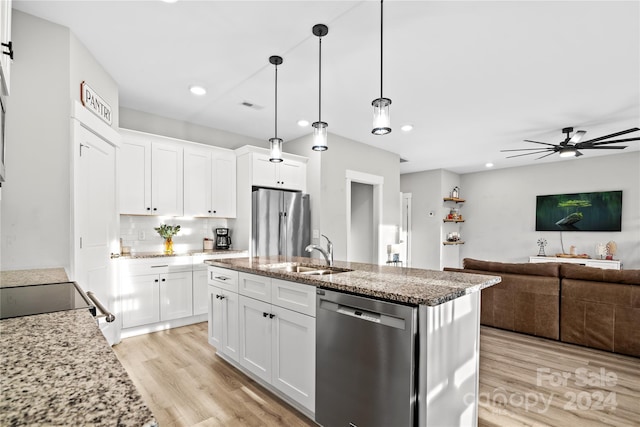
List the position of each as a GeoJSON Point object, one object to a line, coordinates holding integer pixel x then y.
{"type": "Point", "coordinates": [445, 326]}
{"type": "Point", "coordinates": [58, 369]}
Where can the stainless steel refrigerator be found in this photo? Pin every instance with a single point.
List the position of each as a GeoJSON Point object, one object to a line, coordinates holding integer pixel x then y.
{"type": "Point", "coordinates": [281, 223]}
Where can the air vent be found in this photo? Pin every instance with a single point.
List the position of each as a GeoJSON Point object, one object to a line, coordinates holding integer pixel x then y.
{"type": "Point", "coordinates": [251, 105]}
{"type": "Point", "coordinates": [403, 160]}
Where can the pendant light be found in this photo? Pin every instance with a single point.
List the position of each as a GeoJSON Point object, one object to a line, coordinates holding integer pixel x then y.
{"type": "Point", "coordinates": [381, 118]}
{"type": "Point", "coordinates": [320, 127]}
{"type": "Point", "coordinates": [275, 143]}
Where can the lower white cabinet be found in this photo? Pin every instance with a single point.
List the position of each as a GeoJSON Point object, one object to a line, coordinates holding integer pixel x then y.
{"type": "Point", "coordinates": [223, 321]}
{"type": "Point", "coordinates": [200, 291]}
{"type": "Point", "coordinates": [152, 298]}
{"type": "Point", "coordinates": [268, 327]}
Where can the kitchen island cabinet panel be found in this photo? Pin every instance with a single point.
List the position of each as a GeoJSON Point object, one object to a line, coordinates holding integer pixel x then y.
{"type": "Point", "coordinates": [223, 325]}
{"type": "Point", "coordinates": [255, 337]}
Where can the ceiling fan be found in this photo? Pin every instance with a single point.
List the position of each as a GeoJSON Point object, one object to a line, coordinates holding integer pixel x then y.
{"type": "Point", "coordinates": [571, 144]}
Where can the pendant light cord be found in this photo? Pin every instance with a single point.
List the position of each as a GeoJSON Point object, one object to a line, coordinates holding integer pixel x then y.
{"type": "Point", "coordinates": [276, 115]}
{"type": "Point", "coordinates": [381, 50]}
{"type": "Point", "coordinates": [320, 81]}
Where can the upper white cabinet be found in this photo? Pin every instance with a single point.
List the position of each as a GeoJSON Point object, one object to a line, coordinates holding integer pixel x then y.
{"type": "Point", "coordinates": [7, 46]}
{"type": "Point", "coordinates": [289, 174]}
{"type": "Point", "coordinates": [209, 182]}
{"type": "Point", "coordinates": [151, 176]}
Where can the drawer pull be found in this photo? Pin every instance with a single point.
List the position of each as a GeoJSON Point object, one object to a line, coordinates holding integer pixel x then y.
{"type": "Point", "coordinates": [221, 278]}
{"type": "Point", "coordinates": [159, 266]}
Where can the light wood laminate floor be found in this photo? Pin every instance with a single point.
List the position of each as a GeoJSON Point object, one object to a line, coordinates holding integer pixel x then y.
{"type": "Point", "coordinates": [524, 381]}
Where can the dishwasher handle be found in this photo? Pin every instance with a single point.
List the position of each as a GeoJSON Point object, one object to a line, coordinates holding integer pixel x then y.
{"type": "Point", "coordinates": [365, 315]}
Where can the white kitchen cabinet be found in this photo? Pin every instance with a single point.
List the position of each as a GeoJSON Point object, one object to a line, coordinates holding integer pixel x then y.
{"type": "Point", "coordinates": [277, 344]}
{"type": "Point", "coordinates": [140, 299]}
{"type": "Point", "coordinates": [176, 295]}
{"type": "Point", "coordinates": [200, 291]}
{"type": "Point", "coordinates": [151, 175]}
{"type": "Point", "coordinates": [289, 174]}
{"type": "Point", "coordinates": [223, 325]}
{"type": "Point", "coordinates": [7, 46]}
{"type": "Point", "coordinates": [209, 182]}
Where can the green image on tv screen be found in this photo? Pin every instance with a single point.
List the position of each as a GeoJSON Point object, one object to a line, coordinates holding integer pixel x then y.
{"type": "Point", "coordinates": [600, 211]}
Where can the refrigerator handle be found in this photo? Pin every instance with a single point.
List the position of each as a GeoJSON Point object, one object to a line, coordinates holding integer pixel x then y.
{"type": "Point", "coordinates": [280, 231]}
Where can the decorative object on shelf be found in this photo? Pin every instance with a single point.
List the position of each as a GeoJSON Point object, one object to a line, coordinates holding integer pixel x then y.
{"type": "Point", "coordinates": [167, 232]}
{"type": "Point", "coordinates": [455, 193]}
{"type": "Point", "coordinates": [601, 250]}
{"type": "Point", "coordinates": [381, 117]}
{"type": "Point", "coordinates": [612, 248]}
{"type": "Point", "coordinates": [541, 244]}
{"type": "Point", "coordinates": [275, 143]}
{"type": "Point", "coordinates": [320, 127]}
{"type": "Point", "coordinates": [453, 236]}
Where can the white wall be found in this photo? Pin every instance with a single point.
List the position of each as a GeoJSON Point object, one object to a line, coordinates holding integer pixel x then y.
{"type": "Point", "coordinates": [158, 125]}
{"type": "Point", "coordinates": [36, 199]}
{"type": "Point", "coordinates": [330, 180]}
{"type": "Point", "coordinates": [500, 207]}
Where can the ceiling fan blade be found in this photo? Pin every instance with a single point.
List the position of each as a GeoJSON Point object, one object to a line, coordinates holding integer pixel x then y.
{"type": "Point", "coordinates": [536, 142]}
{"type": "Point", "coordinates": [525, 149]}
{"type": "Point", "coordinates": [585, 144]}
{"type": "Point", "coordinates": [546, 155]}
{"type": "Point", "coordinates": [611, 136]}
{"type": "Point", "coordinates": [577, 136]}
{"type": "Point", "coordinates": [526, 154]}
{"type": "Point", "coordinates": [598, 147]}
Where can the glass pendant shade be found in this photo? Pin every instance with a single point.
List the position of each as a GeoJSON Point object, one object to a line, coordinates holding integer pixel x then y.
{"type": "Point", "coordinates": [276, 150]}
{"type": "Point", "coordinates": [381, 117]}
{"type": "Point", "coordinates": [319, 136]}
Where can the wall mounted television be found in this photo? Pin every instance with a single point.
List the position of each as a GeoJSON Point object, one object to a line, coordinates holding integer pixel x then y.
{"type": "Point", "coordinates": [598, 211]}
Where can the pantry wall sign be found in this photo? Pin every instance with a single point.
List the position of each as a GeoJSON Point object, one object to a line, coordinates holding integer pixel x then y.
{"type": "Point", "coordinates": [91, 100]}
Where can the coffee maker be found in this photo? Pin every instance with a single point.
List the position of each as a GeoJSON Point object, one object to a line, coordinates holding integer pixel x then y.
{"type": "Point", "coordinates": [223, 240]}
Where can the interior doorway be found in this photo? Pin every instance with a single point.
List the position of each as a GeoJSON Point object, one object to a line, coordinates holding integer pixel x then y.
{"type": "Point", "coordinates": [364, 216]}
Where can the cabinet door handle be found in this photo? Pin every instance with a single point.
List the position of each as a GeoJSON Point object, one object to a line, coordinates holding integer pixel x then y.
{"type": "Point", "coordinates": [8, 45]}
{"type": "Point", "coordinates": [215, 211]}
{"type": "Point", "coordinates": [148, 209]}
{"type": "Point", "coordinates": [220, 296]}
{"type": "Point", "coordinates": [155, 209]}
{"type": "Point", "coordinates": [156, 280]}
{"type": "Point", "coordinates": [164, 280]}
{"type": "Point", "coordinates": [271, 316]}
{"type": "Point", "coordinates": [209, 211]}
{"type": "Point", "coordinates": [265, 314]}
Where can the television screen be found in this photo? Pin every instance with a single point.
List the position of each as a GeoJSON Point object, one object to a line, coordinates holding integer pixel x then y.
{"type": "Point", "coordinates": [601, 211]}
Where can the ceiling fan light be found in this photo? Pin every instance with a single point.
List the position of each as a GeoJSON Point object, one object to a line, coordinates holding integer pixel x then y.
{"type": "Point", "coordinates": [568, 152]}
{"type": "Point", "coordinates": [275, 155]}
{"type": "Point", "coordinates": [381, 116]}
{"type": "Point", "coordinates": [319, 136]}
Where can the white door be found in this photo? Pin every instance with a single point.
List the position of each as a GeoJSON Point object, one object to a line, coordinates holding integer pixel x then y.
{"type": "Point", "coordinates": [135, 176]}
{"type": "Point", "coordinates": [96, 221]}
{"type": "Point", "coordinates": [292, 175]}
{"type": "Point", "coordinates": [176, 295]}
{"type": "Point", "coordinates": [223, 184]}
{"type": "Point", "coordinates": [294, 355]}
{"type": "Point", "coordinates": [255, 337]}
{"type": "Point", "coordinates": [230, 326]}
{"type": "Point", "coordinates": [215, 317]}
{"type": "Point", "coordinates": [199, 291]}
{"type": "Point", "coordinates": [264, 172]}
{"type": "Point", "coordinates": [140, 300]}
{"type": "Point", "coordinates": [197, 182]}
{"type": "Point", "coordinates": [167, 179]}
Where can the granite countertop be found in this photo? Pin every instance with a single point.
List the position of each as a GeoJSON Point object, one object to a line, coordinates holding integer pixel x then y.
{"type": "Point", "coordinates": [57, 369]}
{"type": "Point", "coordinates": [407, 285]}
{"type": "Point", "coordinates": [32, 277]}
{"type": "Point", "coordinates": [194, 252]}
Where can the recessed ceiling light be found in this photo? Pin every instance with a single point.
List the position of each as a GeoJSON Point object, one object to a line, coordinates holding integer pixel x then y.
{"type": "Point", "coordinates": [407, 128]}
{"type": "Point", "coordinates": [169, 1]}
{"type": "Point", "coordinates": [303, 123]}
{"type": "Point", "coordinates": [489, 165]}
{"type": "Point", "coordinates": [197, 90]}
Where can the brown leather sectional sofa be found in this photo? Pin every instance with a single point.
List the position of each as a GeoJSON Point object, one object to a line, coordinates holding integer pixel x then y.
{"type": "Point", "coordinates": [581, 305]}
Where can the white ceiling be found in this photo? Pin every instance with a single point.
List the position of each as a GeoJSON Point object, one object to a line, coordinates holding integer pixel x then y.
{"type": "Point", "coordinates": [472, 77]}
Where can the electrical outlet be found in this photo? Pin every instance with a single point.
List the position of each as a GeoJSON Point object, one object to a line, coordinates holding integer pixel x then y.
{"type": "Point", "coordinates": [141, 235]}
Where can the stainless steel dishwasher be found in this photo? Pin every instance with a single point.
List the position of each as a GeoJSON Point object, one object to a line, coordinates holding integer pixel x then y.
{"type": "Point", "coordinates": [365, 375]}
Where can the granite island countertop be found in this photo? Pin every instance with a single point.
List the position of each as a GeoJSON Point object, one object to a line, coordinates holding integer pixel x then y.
{"type": "Point", "coordinates": [406, 285]}
{"type": "Point", "coordinates": [58, 369]}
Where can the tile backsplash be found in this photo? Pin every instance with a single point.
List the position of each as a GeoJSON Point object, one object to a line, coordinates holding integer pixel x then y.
{"type": "Point", "coordinates": [138, 232]}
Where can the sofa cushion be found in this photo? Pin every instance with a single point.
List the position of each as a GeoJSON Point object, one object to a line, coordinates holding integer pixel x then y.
{"type": "Point", "coordinates": [594, 274]}
{"type": "Point", "coordinates": [549, 269]}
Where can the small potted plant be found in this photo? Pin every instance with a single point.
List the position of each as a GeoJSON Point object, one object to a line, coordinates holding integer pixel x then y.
{"type": "Point", "coordinates": [167, 232]}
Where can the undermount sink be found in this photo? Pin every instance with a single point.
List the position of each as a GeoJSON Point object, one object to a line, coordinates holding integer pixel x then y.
{"type": "Point", "coordinates": [305, 269]}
